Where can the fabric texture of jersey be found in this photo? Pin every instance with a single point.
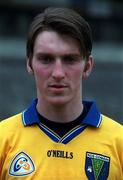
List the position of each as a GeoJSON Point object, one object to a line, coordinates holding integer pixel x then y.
{"type": "Point", "coordinates": [91, 151]}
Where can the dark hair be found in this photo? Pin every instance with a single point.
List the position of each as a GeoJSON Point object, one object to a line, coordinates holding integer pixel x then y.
{"type": "Point", "coordinates": [64, 21]}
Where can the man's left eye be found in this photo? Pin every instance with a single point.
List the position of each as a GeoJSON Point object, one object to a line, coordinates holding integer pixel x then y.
{"type": "Point", "coordinates": [70, 59]}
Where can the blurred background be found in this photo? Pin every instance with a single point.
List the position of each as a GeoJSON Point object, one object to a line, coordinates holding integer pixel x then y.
{"type": "Point", "coordinates": [105, 85]}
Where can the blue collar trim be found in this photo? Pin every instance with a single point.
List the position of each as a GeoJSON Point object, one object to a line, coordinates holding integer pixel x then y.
{"type": "Point", "coordinates": [93, 117]}
{"type": "Point", "coordinates": [65, 139]}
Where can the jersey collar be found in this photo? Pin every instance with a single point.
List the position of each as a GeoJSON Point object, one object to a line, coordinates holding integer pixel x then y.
{"type": "Point", "coordinates": [93, 117]}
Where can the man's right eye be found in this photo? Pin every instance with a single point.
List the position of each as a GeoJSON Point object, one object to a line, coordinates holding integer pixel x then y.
{"type": "Point", "coordinates": [45, 59]}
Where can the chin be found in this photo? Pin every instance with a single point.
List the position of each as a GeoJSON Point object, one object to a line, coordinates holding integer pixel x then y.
{"type": "Point", "coordinates": [59, 101]}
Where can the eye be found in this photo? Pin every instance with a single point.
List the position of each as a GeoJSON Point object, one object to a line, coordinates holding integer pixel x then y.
{"type": "Point", "coordinates": [45, 59]}
{"type": "Point", "coordinates": [71, 59]}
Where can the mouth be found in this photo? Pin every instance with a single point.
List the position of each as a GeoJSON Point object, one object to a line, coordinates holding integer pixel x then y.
{"type": "Point", "coordinates": [58, 88]}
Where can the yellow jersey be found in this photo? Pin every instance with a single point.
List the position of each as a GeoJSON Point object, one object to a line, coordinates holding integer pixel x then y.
{"type": "Point", "coordinates": [29, 150]}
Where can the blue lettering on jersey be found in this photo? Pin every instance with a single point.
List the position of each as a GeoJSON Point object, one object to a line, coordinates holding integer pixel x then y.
{"type": "Point", "coordinates": [21, 165]}
{"type": "Point", "coordinates": [97, 166]}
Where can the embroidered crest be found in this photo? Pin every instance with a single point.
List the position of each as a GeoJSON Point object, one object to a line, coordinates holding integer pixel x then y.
{"type": "Point", "coordinates": [97, 166]}
{"type": "Point", "coordinates": [21, 165]}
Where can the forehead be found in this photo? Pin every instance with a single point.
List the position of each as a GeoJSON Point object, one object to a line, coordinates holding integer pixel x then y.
{"type": "Point", "coordinates": [51, 41]}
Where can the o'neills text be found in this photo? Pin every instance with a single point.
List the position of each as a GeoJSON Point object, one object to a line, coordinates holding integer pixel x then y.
{"type": "Point", "coordinates": [60, 154]}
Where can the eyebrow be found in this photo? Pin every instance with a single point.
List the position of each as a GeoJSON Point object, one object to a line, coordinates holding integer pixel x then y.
{"type": "Point", "coordinates": [77, 55]}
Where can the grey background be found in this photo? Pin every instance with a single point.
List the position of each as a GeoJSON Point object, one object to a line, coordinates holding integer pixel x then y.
{"type": "Point", "coordinates": [105, 85]}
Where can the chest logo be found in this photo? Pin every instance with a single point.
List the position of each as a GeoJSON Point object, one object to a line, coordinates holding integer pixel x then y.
{"type": "Point", "coordinates": [97, 166]}
{"type": "Point", "coordinates": [21, 165]}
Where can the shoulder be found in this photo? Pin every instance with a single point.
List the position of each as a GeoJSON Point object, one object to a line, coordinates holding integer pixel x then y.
{"type": "Point", "coordinates": [11, 123]}
{"type": "Point", "coordinates": [108, 122]}
{"type": "Point", "coordinates": [111, 128]}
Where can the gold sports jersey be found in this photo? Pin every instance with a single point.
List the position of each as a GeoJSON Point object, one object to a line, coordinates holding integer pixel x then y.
{"type": "Point", "coordinates": [31, 151]}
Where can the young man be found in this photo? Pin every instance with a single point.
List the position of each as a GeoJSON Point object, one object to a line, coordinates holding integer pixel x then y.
{"type": "Point", "coordinates": [59, 136]}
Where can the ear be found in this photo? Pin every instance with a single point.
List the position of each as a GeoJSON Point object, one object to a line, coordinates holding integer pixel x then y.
{"type": "Point", "coordinates": [88, 67]}
{"type": "Point", "coordinates": [29, 66]}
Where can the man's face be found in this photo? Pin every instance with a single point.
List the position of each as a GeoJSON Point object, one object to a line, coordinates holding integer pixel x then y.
{"type": "Point", "coordinates": [58, 68]}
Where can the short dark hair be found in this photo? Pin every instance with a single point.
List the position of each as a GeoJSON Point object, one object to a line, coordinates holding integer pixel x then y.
{"type": "Point", "coordinates": [64, 21]}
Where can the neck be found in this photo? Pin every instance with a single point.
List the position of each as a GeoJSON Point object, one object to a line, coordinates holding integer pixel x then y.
{"type": "Point", "coordinates": [63, 113]}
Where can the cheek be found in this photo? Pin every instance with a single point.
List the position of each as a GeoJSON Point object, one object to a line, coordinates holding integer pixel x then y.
{"type": "Point", "coordinates": [40, 80]}
{"type": "Point", "coordinates": [77, 75]}
{"type": "Point", "coordinates": [40, 72]}
{"type": "Point", "coordinates": [40, 76]}
{"type": "Point", "coordinates": [76, 78]}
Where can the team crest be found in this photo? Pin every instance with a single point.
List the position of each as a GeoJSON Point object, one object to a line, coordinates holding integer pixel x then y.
{"type": "Point", "coordinates": [21, 165]}
{"type": "Point", "coordinates": [97, 166]}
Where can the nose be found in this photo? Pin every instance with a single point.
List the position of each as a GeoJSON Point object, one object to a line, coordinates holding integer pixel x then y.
{"type": "Point", "coordinates": [58, 72]}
